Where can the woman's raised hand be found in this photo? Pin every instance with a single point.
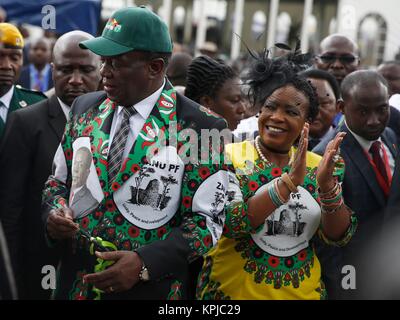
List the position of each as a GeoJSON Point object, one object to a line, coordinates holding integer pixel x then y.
{"type": "Point", "coordinates": [298, 168]}
{"type": "Point", "coordinates": [325, 178]}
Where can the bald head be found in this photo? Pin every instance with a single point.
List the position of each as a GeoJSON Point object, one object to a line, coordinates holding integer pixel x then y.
{"type": "Point", "coordinates": [70, 41]}
{"type": "Point", "coordinates": [338, 40]}
{"type": "Point", "coordinates": [338, 55]}
{"type": "Point", "coordinates": [361, 79]}
{"type": "Point", "coordinates": [75, 71]}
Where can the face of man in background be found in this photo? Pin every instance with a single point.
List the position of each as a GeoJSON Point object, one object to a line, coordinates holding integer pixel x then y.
{"type": "Point", "coordinates": [391, 72]}
{"type": "Point", "coordinates": [75, 72]}
{"type": "Point", "coordinates": [338, 56]}
{"type": "Point", "coordinates": [367, 111]}
{"type": "Point", "coordinates": [177, 68]}
{"type": "Point", "coordinates": [39, 53]}
{"type": "Point", "coordinates": [327, 108]}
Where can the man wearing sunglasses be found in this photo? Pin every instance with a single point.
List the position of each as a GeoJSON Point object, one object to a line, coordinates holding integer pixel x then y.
{"type": "Point", "coordinates": [338, 55]}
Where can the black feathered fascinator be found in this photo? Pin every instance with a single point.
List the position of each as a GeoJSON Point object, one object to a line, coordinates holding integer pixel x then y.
{"type": "Point", "coordinates": [268, 74]}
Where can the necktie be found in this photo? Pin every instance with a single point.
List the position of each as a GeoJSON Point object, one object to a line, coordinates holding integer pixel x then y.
{"type": "Point", "coordinates": [376, 157]}
{"type": "Point", "coordinates": [38, 84]}
{"type": "Point", "coordinates": [118, 144]}
{"type": "Point", "coordinates": [2, 113]}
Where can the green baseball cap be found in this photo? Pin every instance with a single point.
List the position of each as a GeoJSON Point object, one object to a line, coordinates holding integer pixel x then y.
{"type": "Point", "coordinates": [128, 29]}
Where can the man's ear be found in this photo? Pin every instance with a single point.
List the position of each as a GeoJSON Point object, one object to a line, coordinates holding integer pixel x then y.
{"type": "Point", "coordinates": [340, 106]}
{"type": "Point", "coordinates": [156, 67]}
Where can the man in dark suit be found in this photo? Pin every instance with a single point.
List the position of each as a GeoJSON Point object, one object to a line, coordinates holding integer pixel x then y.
{"type": "Point", "coordinates": [390, 70]}
{"type": "Point", "coordinates": [385, 267]}
{"type": "Point", "coordinates": [368, 150]}
{"type": "Point", "coordinates": [31, 138]}
{"type": "Point", "coordinates": [8, 289]}
{"type": "Point", "coordinates": [37, 74]}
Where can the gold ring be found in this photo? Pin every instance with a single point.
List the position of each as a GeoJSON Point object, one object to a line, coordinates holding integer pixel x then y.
{"type": "Point", "coordinates": [111, 289]}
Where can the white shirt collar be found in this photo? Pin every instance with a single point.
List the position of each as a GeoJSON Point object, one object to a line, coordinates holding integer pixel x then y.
{"type": "Point", "coordinates": [66, 109]}
{"type": "Point", "coordinates": [6, 99]}
{"type": "Point", "coordinates": [145, 106]}
{"type": "Point", "coordinates": [364, 143]}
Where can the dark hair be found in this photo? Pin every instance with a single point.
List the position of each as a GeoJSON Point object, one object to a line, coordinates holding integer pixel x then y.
{"type": "Point", "coordinates": [205, 77]}
{"type": "Point", "coordinates": [362, 78]}
{"type": "Point", "coordinates": [323, 75]}
{"type": "Point", "coordinates": [267, 75]}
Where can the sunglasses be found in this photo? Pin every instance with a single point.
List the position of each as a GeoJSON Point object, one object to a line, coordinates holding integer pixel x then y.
{"type": "Point", "coordinates": [346, 59]}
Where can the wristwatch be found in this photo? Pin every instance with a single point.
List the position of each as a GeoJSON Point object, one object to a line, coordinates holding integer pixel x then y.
{"type": "Point", "coordinates": [144, 274]}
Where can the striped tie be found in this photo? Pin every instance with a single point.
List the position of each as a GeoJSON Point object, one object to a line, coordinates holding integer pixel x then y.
{"type": "Point", "coordinates": [118, 144]}
{"type": "Point", "coordinates": [2, 122]}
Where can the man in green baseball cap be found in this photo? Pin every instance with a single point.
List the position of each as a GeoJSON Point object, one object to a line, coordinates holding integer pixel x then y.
{"type": "Point", "coordinates": [155, 214]}
{"type": "Point", "coordinates": [135, 43]}
{"type": "Point", "coordinates": [131, 29]}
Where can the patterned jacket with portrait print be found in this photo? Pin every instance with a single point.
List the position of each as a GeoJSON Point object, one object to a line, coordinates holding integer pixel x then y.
{"type": "Point", "coordinates": [168, 209]}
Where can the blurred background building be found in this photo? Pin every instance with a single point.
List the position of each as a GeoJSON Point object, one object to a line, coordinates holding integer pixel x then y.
{"type": "Point", "coordinates": [374, 26]}
{"type": "Point", "coordinates": [220, 24]}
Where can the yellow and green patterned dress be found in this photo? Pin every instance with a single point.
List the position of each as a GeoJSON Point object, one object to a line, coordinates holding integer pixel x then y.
{"type": "Point", "coordinates": [277, 260]}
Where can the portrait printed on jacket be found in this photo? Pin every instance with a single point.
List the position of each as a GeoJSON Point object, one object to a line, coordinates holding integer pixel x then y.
{"type": "Point", "coordinates": [85, 194]}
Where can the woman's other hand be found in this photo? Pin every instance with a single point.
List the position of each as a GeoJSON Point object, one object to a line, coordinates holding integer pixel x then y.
{"type": "Point", "coordinates": [325, 178]}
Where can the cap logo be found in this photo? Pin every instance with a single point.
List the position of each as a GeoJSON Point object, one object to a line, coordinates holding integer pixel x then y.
{"type": "Point", "coordinates": [113, 25]}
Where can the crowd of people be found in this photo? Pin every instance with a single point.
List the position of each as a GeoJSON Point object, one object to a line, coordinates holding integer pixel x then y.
{"type": "Point", "coordinates": [140, 172]}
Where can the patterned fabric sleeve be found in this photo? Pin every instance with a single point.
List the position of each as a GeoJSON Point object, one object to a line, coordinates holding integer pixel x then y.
{"type": "Point", "coordinates": [237, 223]}
{"type": "Point", "coordinates": [204, 196]}
{"type": "Point", "coordinates": [339, 174]}
{"type": "Point", "coordinates": [347, 236]}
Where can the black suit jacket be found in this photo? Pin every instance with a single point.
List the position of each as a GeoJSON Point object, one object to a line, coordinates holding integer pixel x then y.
{"type": "Point", "coordinates": [25, 78]}
{"type": "Point", "coordinates": [31, 138]}
{"type": "Point", "coordinates": [362, 193]}
{"type": "Point", "coordinates": [394, 121]}
{"type": "Point", "coordinates": [393, 205]}
{"type": "Point", "coordinates": [8, 289]}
